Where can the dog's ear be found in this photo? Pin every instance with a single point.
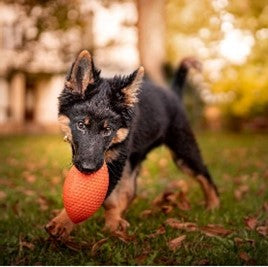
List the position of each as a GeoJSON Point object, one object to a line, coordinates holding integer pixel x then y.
{"type": "Point", "coordinates": [81, 74]}
{"type": "Point", "coordinates": [126, 88]}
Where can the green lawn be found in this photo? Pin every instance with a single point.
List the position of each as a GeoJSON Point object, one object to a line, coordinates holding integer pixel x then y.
{"type": "Point", "coordinates": [31, 177]}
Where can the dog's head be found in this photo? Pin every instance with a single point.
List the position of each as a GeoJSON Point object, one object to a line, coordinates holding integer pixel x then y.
{"type": "Point", "coordinates": [95, 113]}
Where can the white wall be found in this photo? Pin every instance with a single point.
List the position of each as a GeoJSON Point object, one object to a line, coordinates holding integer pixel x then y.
{"type": "Point", "coordinates": [46, 107]}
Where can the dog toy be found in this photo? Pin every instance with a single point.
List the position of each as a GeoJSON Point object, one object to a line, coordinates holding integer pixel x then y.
{"type": "Point", "coordinates": [83, 194]}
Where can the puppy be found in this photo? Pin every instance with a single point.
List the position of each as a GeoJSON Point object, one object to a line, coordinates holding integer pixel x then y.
{"type": "Point", "coordinates": [119, 121]}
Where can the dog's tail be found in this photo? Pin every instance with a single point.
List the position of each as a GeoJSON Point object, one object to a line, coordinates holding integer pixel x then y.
{"type": "Point", "coordinates": [181, 73]}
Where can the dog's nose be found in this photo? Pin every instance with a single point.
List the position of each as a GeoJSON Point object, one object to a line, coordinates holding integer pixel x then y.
{"type": "Point", "coordinates": [88, 167]}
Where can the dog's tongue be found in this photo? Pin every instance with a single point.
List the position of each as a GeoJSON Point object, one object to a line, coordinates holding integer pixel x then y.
{"type": "Point", "coordinates": [84, 194]}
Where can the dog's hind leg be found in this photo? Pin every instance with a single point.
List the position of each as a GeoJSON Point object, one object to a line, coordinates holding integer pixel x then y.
{"type": "Point", "coordinates": [119, 199]}
{"type": "Point", "coordinates": [187, 156]}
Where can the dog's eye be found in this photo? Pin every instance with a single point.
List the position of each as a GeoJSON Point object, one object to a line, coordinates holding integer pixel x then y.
{"type": "Point", "coordinates": [107, 131]}
{"type": "Point", "coordinates": [81, 125]}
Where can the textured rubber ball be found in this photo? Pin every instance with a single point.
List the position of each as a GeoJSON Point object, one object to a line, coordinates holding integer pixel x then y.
{"type": "Point", "coordinates": [83, 194]}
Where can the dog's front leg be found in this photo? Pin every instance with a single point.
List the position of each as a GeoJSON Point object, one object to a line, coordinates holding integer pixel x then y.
{"type": "Point", "coordinates": [60, 227]}
{"type": "Point", "coordinates": [119, 199]}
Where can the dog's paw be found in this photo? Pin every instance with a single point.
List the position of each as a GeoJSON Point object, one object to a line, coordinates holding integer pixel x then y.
{"type": "Point", "coordinates": [59, 229]}
{"type": "Point", "coordinates": [116, 224]}
{"type": "Point", "coordinates": [213, 203]}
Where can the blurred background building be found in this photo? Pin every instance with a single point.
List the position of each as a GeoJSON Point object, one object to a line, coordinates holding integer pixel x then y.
{"type": "Point", "coordinates": [40, 39]}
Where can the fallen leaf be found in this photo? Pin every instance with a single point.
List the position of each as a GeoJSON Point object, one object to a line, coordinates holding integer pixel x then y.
{"type": "Point", "coordinates": [123, 236]}
{"type": "Point", "coordinates": [170, 197]}
{"type": "Point", "coordinates": [166, 198]}
{"type": "Point", "coordinates": [240, 192]}
{"type": "Point", "coordinates": [72, 245]}
{"type": "Point", "coordinates": [3, 195]}
{"type": "Point", "coordinates": [160, 231]}
{"type": "Point", "coordinates": [158, 200]}
{"type": "Point", "coordinates": [215, 230]}
{"type": "Point", "coordinates": [251, 222]}
{"type": "Point", "coordinates": [188, 226]}
{"type": "Point", "coordinates": [98, 245]}
{"type": "Point", "coordinates": [239, 241]}
{"type": "Point", "coordinates": [176, 242]}
{"type": "Point", "coordinates": [25, 244]}
{"type": "Point", "coordinates": [142, 257]}
{"type": "Point", "coordinates": [183, 203]}
{"type": "Point", "coordinates": [244, 256]}
{"type": "Point", "coordinates": [263, 230]}
{"type": "Point", "coordinates": [146, 213]}
{"type": "Point", "coordinates": [29, 177]}
{"type": "Point", "coordinates": [166, 209]}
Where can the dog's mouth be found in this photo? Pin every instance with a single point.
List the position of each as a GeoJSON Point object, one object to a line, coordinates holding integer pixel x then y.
{"type": "Point", "coordinates": [88, 167]}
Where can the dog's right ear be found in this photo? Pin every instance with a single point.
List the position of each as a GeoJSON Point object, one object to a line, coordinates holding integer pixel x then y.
{"type": "Point", "coordinates": [81, 74]}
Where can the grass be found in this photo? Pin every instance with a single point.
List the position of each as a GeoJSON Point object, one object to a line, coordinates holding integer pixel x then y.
{"type": "Point", "coordinates": [31, 176]}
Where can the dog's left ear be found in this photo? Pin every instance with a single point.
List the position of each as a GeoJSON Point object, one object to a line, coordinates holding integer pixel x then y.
{"type": "Point", "coordinates": [126, 88]}
{"type": "Point", "coordinates": [82, 73]}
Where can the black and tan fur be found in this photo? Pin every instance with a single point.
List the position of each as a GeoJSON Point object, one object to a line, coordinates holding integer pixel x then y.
{"type": "Point", "coordinates": [119, 121]}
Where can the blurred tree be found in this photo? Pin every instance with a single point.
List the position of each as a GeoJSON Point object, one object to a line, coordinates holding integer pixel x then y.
{"type": "Point", "coordinates": [151, 28]}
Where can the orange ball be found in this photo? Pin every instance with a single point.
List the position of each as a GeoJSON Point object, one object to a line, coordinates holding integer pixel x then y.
{"type": "Point", "coordinates": [83, 194]}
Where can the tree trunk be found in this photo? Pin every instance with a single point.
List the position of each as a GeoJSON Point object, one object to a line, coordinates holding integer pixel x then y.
{"type": "Point", "coordinates": [151, 28]}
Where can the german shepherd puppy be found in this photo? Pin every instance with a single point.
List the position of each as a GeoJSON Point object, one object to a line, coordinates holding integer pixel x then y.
{"type": "Point", "coordinates": [119, 121]}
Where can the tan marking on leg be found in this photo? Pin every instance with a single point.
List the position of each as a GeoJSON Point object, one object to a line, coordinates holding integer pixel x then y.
{"type": "Point", "coordinates": [120, 136]}
{"type": "Point", "coordinates": [118, 201]}
{"type": "Point", "coordinates": [61, 226]}
{"type": "Point", "coordinates": [111, 154]}
{"type": "Point", "coordinates": [212, 199]}
{"type": "Point", "coordinates": [64, 122]}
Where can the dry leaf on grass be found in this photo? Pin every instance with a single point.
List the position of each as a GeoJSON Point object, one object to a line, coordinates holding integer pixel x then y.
{"type": "Point", "coordinates": [166, 209]}
{"type": "Point", "coordinates": [263, 230]}
{"type": "Point", "coordinates": [215, 230]}
{"type": "Point", "coordinates": [244, 256]}
{"type": "Point", "coordinates": [251, 222]}
{"type": "Point", "coordinates": [146, 213]}
{"type": "Point", "coordinates": [176, 242]}
{"type": "Point", "coordinates": [25, 244]}
{"type": "Point", "coordinates": [29, 177]}
{"type": "Point", "coordinates": [239, 241]}
{"type": "Point", "coordinates": [72, 245]}
{"type": "Point", "coordinates": [183, 203]}
{"type": "Point", "coordinates": [98, 245]}
{"type": "Point", "coordinates": [188, 226]}
{"type": "Point", "coordinates": [160, 231]}
{"type": "Point", "coordinates": [240, 192]}
{"type": "Point", "coordinates": [143, 256]}
{"type": "Point", "coordinates": [123, 236]}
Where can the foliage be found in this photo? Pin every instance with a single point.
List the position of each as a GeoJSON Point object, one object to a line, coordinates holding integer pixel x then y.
{"type": "Point", "coordinates": [197, 28]}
